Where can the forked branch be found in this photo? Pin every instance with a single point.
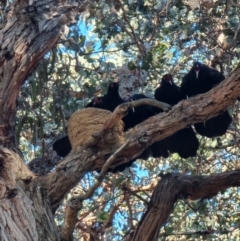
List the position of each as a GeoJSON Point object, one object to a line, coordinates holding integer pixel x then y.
{"type": "Point", "coordinates": [173, 187]}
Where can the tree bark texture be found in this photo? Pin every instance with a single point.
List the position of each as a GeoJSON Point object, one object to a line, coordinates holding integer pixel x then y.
{"type": "Point", "coordinates": [30, 30]}
{"type": "Point", "coordinates": [173, 187]}
{"type": "Point", "coordinates": [28, 202]}
{"type": "Point", "coordinates": [193, 110]}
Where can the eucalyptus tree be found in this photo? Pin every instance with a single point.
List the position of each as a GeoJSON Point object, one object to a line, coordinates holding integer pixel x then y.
{"type": "Point", "coordinates": [55, 56]}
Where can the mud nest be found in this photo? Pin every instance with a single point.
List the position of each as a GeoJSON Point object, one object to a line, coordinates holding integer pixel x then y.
{"type": "Point", "coordinates": [87, 121]}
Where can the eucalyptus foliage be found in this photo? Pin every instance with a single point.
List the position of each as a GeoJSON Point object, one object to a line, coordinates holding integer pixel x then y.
{"type": "Point", "coordinates": [152, 38]}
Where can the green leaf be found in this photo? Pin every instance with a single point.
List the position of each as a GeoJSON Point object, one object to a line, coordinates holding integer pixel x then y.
{"type": "Point", "coordinates": [132, 65]}
{"type": "Point", "coordinates": [103, 217]}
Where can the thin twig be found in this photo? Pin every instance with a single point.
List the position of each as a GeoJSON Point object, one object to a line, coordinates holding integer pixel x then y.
{"type": "Point", "coordinates": [232, 3]}
{"type": "Point", "coordinates": [132, 34]}
{"type": "Point", "coordinates": [125, 188]}
{"type": "Point", "coordinates": [103, 172]}
{"type": "Point", "coordinates": [110, 160]}
{"type": "Point", "coordinates": [119, 113]}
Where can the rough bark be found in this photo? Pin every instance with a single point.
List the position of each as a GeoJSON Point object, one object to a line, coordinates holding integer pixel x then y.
{"type": "Point", "coordinates": [189, 111]}
{"type": "Point", "coordinates": [31, 28]}
{"type": "Point", "coordinates": [28, 201]}
{"type": "Point", "coordinates": [44, 164]}
{"type": "Point", "coordinates": [173, 187]}
{"type": "Point", "coordinates": [25, 212]}
{"type": "Point", "coordinates": [70, 219]}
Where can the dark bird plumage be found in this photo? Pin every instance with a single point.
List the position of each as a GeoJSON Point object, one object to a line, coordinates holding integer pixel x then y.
{"type": "Point", "coordinates": [184, 142]}
{"type": "Point", "coordinates": [108, 102]}
{"type": "Point", "coordinates": [201, 79]}
{"type": "Point", "coordinates": [137, 115]}
{"type": "Point", "coordinates": [168, 91]}
{"type": "Point", "coordinates": [112, 99]}
{"type": "Point", "coordinates": [96, 102]}
{"type": "Point", "coordinates": [62, 146]}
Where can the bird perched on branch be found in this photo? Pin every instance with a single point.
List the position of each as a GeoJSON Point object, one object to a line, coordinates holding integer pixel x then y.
{"type": "Point", "coordinates": [62, 146]}
{"type": "Point", "coordinates": [136, 116]}
{"type": "Point", "coordinates": [201, 79]}
{"type": "Point", "coordinates": [184, 142]}
{"type": "Point", "coordinates": [107, 102]}
{"type": "Point", "coordinates": [168, 91]}
{"type": "Point", "coordinates": [112, 98]}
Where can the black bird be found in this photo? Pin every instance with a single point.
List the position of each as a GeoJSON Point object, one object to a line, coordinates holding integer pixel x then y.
{"type": "Point", "coordinates": [184, 142]}
{"type": "Point", "coordinates": [108, 102]}
{"type": "Point", "coordinates": [201, 79]}
{"type": "Point", "coordinates": [140, 114]}
{"type": "Point", "coordinates": [96, 102]}
{"type": "Point", "coordinates": [112, 99]}
{"type": "Point", "coordinates": [62, 146]}
{"type": "Point", "coordinates": [168, 91]}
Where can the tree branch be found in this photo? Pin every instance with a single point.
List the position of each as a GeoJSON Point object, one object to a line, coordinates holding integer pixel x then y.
{"type": "Point", "coordinates": [70, 218]}
{"type": "Point", "coordinates": [173, 187]}
{"type": "Point", "coordinates": [232, 3]}
{"type": "Point", "coordinates": [119, 113]}
{"type": "Point", "coordinates": [193, 110]}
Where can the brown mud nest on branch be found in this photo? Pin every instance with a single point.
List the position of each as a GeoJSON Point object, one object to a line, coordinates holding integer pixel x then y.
{"type": "Point", "coordinates": [84, 123]}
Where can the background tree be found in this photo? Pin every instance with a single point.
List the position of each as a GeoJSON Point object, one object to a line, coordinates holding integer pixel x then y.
{"type": "Point", "coordinates": [55, 55]}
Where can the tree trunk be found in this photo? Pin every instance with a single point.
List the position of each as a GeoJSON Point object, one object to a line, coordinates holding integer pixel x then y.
{"type": "Point", "coordinates": [25, 211]}
{"type": "Point", "coordinates": [27, 34]}
{"type": "Point", "coordinates": [28, 202]}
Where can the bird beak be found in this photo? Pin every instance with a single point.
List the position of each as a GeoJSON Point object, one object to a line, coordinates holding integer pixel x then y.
{"type": "Point", "coordinates": [132, 107]}
{"type": "Point", "coordinates": [170, 82]}
{"type": "Point", "coordinates": [197, 72]}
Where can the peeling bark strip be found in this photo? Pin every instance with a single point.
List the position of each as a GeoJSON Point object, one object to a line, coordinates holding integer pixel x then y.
{"type": "Point", "coordinates": [173, 187]}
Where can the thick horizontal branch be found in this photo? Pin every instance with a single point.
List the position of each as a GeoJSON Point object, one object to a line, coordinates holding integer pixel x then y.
{"type": "Point", "coordinates": [173, 187]}
{"type": "Point", "coordinates": [203, 232]}
{"type": "Point", "coordinates": [120, 112]}
{"type": "Point", "coordinates": [193, 110]}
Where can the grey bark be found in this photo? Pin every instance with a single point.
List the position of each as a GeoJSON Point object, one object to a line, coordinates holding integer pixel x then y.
{"type": "Point", "coordinates": [28, 201]}
{"type": "Point", "coordinates": [173, 187]}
